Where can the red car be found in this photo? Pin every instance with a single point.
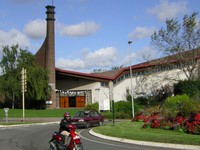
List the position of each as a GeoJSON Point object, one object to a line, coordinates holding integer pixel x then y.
{"type": "Point", "coordinates": [87, 118]}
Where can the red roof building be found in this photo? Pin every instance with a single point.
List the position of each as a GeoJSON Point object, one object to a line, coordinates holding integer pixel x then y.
{"type": "Point", "coordinates": [77, 89]}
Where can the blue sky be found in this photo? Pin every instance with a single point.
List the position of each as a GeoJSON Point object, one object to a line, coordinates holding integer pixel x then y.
{"type": "Point", "coordinates": [91, 34]}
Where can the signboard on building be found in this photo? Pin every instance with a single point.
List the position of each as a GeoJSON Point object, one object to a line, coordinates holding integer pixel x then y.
{"type": "Point", "coordinates": [104, 104]}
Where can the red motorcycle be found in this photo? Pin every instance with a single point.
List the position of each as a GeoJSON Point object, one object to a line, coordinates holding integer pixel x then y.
{"type": "Point", "coordinates": [58, 140]}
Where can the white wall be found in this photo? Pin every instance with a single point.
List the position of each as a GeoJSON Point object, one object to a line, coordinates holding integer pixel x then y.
{"type": "Point", "coordinates": [147, 83]}
{"type": "Point", "coordinates": [119, 90]}
{"type": "Point", "coordinates": [141, 83]}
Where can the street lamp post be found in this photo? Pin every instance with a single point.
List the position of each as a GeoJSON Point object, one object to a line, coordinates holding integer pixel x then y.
{"type": "Point", "coordinates": [131, 76]}
{"type": "Point", "coordinates": [98, 89]}
{"type": "Point", "coordinates": [24, 89]}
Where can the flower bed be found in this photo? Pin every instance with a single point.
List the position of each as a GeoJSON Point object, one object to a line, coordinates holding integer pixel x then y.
{"type": "Point", "coordinates": [189, 125]}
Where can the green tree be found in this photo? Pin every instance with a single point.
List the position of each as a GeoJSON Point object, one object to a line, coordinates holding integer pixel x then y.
{"type": "Point", "coordinates": [9, 80]}
{"type": "Point", "coordinates": [180, 42]}
{"type": "Point", "coordinates": [37, 77]}
{"type": "Point", "coordinates": [14, 59]}
{"type": "Point", "coordinates": [38, 83]}
{"type": "Point", "coordinates": [116, 67]}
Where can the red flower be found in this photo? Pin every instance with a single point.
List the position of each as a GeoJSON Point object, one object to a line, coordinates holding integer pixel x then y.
{"type": "Point", "coordinates": [193, 124]}
{"type": "Point", "coordinates": [139, 117]}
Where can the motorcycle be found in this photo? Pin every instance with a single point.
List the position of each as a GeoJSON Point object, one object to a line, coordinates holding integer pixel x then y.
{"type": "Point", "coordinates": [58, 140]}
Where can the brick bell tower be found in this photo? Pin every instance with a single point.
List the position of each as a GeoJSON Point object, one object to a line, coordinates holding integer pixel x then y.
{"type": "Point", "coordinates": [45, 56]}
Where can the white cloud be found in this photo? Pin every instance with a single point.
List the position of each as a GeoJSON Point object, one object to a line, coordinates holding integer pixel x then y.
{"type": "Point", "coordinates": [168, 10]}
{"type": "Point", "coordinates": [101, 58]}
{"type": "Point", "coordinates": [105, 58]}
{"type": "Point", "coordinates": [127, 58]}
{"type": "Point", "coordinates": [13, 37]}
{"type": "Point", "coordinates": [81, 29]}
{"type": "Point", "coordinates": [36, 29]}
{"type": "Point", "coordinates": [75, 64]}
{"type": "Point", "coordinates": [147, 54]}
{"type": "Point", "coordinates": [142, 32]}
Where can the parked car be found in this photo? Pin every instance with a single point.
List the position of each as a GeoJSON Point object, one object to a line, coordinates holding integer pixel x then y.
{"type": "Point", "coordinates": [87, 118]}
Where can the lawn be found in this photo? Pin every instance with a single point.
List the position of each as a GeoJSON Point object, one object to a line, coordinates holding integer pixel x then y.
{"type": "Point", "coordinates": [134, 131]}
{"type": "Point", "coordinates": [29, 113]}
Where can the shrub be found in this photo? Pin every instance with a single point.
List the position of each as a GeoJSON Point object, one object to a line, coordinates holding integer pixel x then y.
{"type": "Point", "coordinates": [117, 115]}
{"type": "Point", "coordinates": [129, 98]}
{"type": "Point", "coordinates": [123, 106]}
{"type": "Point", "coordinates": [179, 123]}
{"type": "Point", "coordinates": [196, 97]}
{"type": "Point", "coordinates": [188, 108]}
{"type": "Point", "coordinates": [187, 87]}
{"type": "Point", "coordinates": [193, 124]}
{"type": "Point", "coordinates": [94, 106]}
{"type": "Point", "coordinates": [152, 110]}
{"type": "Point", "coordinates": [149, 120]}
{"type": "Point", "coordinates": [123, 109]}
{"type": "Point", "coordinates": [107, 115]}
{"type": "Point", "coordinates": [174, 104]}
{"type": "Point", "coordinates": [122, 115]}
{"type": "Point", "coordinates": [142, 100]}
{"type": "Point", "coordinates": [140, 117]}
{"type": "Point", "coordinates": [159, 95]}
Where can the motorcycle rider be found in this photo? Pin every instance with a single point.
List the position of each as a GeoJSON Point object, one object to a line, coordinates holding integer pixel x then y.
{"type": "Point", "coordinates": [64, 125]}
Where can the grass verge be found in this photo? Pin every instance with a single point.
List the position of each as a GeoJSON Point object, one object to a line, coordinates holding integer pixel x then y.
{"type": "Point", "coordinates": [29, 113]}
{"type": "Point", "coordinates": [134, 131]}
{"type": "Point", "coordinates": [18, 114]}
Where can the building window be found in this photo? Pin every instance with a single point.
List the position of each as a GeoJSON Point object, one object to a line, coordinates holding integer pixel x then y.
{"type": "Point", "coordinates": [104, 84]}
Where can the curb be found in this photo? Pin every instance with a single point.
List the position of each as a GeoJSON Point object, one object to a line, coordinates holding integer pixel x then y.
{"type": "Point", "coordinates": [26, 125]}
{"type": "Point", "coordinates": [144, 143]}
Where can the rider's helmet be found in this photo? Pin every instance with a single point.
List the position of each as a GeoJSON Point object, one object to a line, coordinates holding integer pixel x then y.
{"type": "Point", "coordinates": [67, 116]}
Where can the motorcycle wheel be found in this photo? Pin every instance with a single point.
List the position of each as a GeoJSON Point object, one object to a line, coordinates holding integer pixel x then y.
{"type": "Point", "coordinates": [78, 147]}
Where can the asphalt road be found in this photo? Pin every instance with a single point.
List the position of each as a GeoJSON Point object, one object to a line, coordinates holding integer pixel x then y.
{"type": "Point", "coordinates": [36, 137]}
